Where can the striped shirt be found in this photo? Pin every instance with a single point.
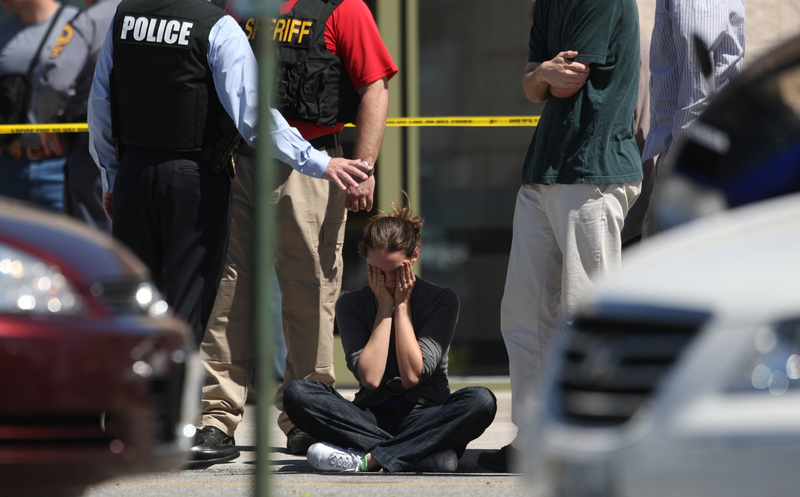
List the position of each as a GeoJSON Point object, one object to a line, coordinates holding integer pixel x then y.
{"type": "Point", "coordinates": [678, 89]}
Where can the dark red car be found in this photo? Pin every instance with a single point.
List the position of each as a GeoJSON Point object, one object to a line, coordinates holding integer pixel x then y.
{"type": "Point", "coordinates": [98, 378]}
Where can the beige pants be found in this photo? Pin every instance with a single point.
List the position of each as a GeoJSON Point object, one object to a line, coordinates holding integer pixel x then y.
{"type": "Point", "coordinates": [564, 236]}
{"type": "Point", "coordinates": [228, 343]}
{"type": "Point", "coordinates": [310, 235]}
{"type": "Point", "coordinates": [311, 225]}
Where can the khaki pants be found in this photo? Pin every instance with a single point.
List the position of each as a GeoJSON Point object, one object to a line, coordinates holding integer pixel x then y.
{"type": "Point", "coordinates": [310, 235]}
{"type": "Point", "coordinates": [311, 225]}
{"type": "Point", "coordinates": [229, 341]}
{"type": "Point", "coordinates": [564, 236]}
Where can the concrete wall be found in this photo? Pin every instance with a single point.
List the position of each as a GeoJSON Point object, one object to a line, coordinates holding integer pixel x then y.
{"type": "Point", "coordinates": [768, 22]}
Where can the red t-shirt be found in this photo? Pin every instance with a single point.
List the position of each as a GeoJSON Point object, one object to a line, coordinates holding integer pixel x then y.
{"type": "Point", "coordinates": [351, 33]}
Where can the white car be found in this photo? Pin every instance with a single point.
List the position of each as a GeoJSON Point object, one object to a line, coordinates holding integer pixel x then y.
{"type": "Point", "coordinates": [681, 374]}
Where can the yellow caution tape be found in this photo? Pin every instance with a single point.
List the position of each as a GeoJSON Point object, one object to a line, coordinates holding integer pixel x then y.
{"type": "Point", "coordinates": [476, 121]}
{"type": "Point", "coordinates": [13, 129]}
{"type": "Point", "coordinates": [465, 121]}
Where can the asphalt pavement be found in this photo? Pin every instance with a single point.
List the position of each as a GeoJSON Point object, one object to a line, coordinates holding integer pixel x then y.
{"type": "Point", "coordinates": [292, 476]}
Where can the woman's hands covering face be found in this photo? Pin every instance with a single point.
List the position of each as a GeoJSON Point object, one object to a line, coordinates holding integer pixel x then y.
{"type": "Point", "coordinates": [404, 283]}
{"type": "Point", "coordinates": [377, 282]}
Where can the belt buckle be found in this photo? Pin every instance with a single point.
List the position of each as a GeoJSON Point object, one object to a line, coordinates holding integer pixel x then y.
{"type": "Point", "coordinates": [15, 149]}
{"type": "Point", "coordinates": [34, 154]}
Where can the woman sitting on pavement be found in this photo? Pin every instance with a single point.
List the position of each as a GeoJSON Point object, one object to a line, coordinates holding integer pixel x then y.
{"type": "Point", "coordinates": [396, 334]}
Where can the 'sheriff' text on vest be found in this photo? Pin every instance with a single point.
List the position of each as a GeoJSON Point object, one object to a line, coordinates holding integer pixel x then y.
{"type": "Point", "coordinates": [313, 84]}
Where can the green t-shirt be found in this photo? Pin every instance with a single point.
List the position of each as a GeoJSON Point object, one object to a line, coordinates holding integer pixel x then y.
{"type": "Point", "coordinates": [587, 138]}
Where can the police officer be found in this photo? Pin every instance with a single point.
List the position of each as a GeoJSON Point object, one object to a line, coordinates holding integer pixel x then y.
{"type": "Point", "coordinates": [28, 170]}
{"type": "Point", "coordinates": [159, 80]}
{"type": "Point", "coordinates": [62, 94]}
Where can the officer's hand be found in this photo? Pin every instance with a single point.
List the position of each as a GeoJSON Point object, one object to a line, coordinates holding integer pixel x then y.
{"type": "Point", "coordinates": [360, 197]}
{"type": "Point", "coordinates": [107, 204]}
{"type": "Point", "coordinates": [346, 172]}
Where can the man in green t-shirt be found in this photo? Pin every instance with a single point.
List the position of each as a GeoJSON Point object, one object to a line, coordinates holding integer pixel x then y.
{"type": "Point", "coordinates": [581, 175]}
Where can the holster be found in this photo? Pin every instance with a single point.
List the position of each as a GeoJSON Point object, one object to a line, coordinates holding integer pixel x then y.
{"type": "Point", "coordinates": [220, 153]}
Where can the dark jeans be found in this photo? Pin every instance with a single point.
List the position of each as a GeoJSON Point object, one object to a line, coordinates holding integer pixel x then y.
{"type": "Point", "coordinates": [397, 433]}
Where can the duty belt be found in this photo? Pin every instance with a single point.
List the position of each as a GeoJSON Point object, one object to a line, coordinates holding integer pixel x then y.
{"type": "Point", "coordinates": [325, 142]}
{"type": "Point", "coordinates": [17, 151]}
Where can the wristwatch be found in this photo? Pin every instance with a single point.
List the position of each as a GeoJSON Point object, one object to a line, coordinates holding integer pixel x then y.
{"type": "Point", "coordinates": [371, 171]}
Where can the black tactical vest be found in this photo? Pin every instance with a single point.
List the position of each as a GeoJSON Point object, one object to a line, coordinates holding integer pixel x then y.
{"type": "Point", "coordinates": [163, 93]}
{"type": "Point", "coordinates": [313, 84]}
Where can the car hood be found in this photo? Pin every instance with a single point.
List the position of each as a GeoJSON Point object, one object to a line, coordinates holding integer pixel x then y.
{"type": "Point", "coordinates": [77, 247]}
{"type": "Point", "coordinates": [738, 261]}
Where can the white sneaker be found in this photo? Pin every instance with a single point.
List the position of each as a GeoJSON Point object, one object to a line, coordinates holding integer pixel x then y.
{"type": "Point", "coordinates": [445, 461]}
{"type": "Point", "coordinates": [326, 457]}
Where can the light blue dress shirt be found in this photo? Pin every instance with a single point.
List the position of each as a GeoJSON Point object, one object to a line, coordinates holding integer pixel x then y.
{"type": "Point", "coordinates": [235, 73]}
{"type": "Point", "coordinates": [678, 89]}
